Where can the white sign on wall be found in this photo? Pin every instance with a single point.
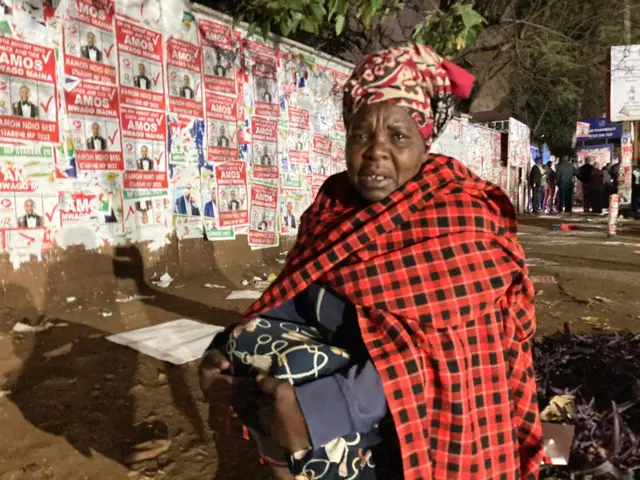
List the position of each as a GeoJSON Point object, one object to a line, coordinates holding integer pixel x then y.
{"type": "Point", "coordinates": [625, 83]}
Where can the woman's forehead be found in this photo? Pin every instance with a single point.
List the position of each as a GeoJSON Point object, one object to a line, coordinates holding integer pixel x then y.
{"type": "Point", "coordinates": [382, 110]}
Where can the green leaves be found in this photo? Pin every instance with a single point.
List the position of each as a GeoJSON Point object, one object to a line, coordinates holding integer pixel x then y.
{"type": "Point", "coordinates": [312, 16]}
{"type": "Point", "coordinates": [339, 24]}
{"type": "Point", "coordinates": [451, 31]}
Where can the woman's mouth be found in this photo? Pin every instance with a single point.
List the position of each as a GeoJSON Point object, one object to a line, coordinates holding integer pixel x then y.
{"type": "Point", "coordinates": [374, 181]}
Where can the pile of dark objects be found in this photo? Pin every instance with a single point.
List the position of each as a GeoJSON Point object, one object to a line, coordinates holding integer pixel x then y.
{"type": "Point", "coordinates": [602, 372]}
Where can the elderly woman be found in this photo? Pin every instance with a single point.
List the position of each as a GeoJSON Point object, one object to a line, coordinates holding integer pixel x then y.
{"type": "Point", "coordinates": [404, 314]}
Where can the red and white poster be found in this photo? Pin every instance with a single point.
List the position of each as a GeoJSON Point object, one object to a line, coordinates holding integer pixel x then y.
{"type": "Point", "coordinates": [89, 43]}
{"type": "Point", "coordinates": [222, 138]}
{"type": "Point", "coordinates": [264, 221]}
{"type": "Point", "coordinates": [231, 178]}
{"type": "Point", "coordinates": [141, 61]}
{"type": "Point", "coordinates": [264, 61]}
{"type": "Point", "coordinates": [321, 160]}
{"type": "Point", "coordinates": [144, 135]}
{"type": "Point", "coordinates": [78, 207]}
{"type": "Point", "coordinates": [218, 62]}
{"type": "Point", "coordinates": [28, 99]}
{"type": "Point", "coordinates": [299, 135]}
{"type": "Point", "coordinates": [94, 115]}
{"type": "Point", "coordinates": [184, 74]}
{"type": "Point", "coordinates": [264, 135]}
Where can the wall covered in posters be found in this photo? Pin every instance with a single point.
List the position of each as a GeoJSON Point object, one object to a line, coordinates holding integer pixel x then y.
{"type": "Point", "coordinates": [134, 120]}
{"type": "Point", "coordinates": [477, 146]}
{"type": "Point", "coordinates": [129, 121]}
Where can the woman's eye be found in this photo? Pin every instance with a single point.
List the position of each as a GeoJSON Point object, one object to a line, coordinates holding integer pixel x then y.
{"type": "Point", "coordinates": [399, 136]}
{"type": "Point", "coordinates": [359, 136]}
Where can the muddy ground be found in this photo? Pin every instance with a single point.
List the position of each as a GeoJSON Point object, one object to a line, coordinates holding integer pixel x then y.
{"type": "Point", "coordinates": [73, 405]}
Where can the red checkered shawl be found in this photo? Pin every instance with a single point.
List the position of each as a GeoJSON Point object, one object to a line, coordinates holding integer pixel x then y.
{"type": "Point", "coordinates": [445, 308]}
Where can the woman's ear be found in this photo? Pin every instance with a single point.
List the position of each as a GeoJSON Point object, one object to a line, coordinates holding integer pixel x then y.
{"type": "Point", "coordinates": [425, 155]}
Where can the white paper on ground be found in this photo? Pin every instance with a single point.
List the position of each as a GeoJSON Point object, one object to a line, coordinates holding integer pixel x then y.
{"type": "Point", "coordinates": [178, 342]}
{"type": "Point", "coordinates": [558, 439]}
{"type": "Point", "coordinates": [244, 295]}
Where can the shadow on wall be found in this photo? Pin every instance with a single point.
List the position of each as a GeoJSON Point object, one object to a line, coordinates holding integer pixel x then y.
{"type": "Point", "coordinates": [77, 385]}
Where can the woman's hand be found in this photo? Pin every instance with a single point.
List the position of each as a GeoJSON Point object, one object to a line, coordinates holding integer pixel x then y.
{"type": "Point", "coordinates": [280, 416]}
{"type": "Point", "coordinates": [213, 364]}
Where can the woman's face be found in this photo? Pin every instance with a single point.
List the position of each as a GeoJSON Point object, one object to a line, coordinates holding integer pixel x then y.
{"type": "Point", "coordinates": [384, 150]}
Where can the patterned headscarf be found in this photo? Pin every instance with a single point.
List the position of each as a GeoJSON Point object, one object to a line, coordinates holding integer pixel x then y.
{"type": "Point", "coordinates": [414, 77]}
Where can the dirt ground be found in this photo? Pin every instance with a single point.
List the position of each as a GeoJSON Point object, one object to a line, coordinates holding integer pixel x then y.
{"type": "Point", "coordinates": [73, 405]}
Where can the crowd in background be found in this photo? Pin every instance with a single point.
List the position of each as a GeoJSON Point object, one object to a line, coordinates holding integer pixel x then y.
{"type": "Point", "coordinates": [558, 186]}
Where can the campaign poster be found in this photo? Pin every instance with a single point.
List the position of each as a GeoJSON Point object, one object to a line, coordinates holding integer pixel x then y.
{"type": "Point", "coordinates": [292, 175]}
{"type": "Point", "coordinates": [184, 78]}
{"type": "Point", "coordinates": [144, 136]}
{"type": "Point", "coordinates": [211, 213]}
{"type": "Point", "coordinates": [219, 59]}
{"type": "Point", "coordinates": [146, 209]}
{"type": "Point", "coordinates": [264, 221]}
{"type": "Point", "coordinates": [94, 116]}
{"type": "Point", "coordinates": [147, 12]}
{"type": "Point", "coordinates": [187, 202]}
{"type": "Point", "coordinates": [321, 159]}
{"type": "Point", "coordinates": [140, 58]}
{"type": "Point", "coordinates": [292, 207]}
{"type": "Point", "coordinates": [186, 140]}
{"type": "Point", "coordinates": [28, 195]}
{"type": "Point", "coordinates": [231, 180]}
{"type": "Point", "coordinates": [264, 135]}
{"type": "Point", "coordinates": [28, 98]}
{"type": "Point", "coordinates": [265, 79]}
{"type": "Point", "coordinates": [101, 204]}
{"type": "Point", "coordinates": [299, 135]}
{"type": "Point", "coordinates": [89, 42]}
{"type": "Point", "coordinates": [222, 139]}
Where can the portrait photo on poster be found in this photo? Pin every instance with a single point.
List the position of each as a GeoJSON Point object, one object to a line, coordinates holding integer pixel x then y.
{"type": "Point", "coordinates": [28, 95]}
{"type": "Point", "coordinates": [89, 41]}
{"type": "Point", "coordinates": [219, 56]}
{"type": "Point", "coordinates": [140, 61]}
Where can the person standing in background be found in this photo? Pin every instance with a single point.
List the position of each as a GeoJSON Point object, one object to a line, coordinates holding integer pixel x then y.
{"type": "Point", "coordinates": [535, 180]}
{"type": "Point", "coordinates": [635, 191]}
{"type": "Point", "coordinates": [550, 188]}
{"type": "Point", "coordinates": [596, 189]}
{"type": "Point", "coordinates": [564, 179]}
{"type": "Point", "coordinates": [584, 175]}
{"type": "Point", "coordinates": [608, 185]}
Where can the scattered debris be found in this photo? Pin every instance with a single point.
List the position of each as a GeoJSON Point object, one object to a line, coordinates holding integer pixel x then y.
{"type": "Point", "coordinates": [597, 322]}
{"type": "Point", "coordinates": [212, 285]}
{"type": "Point", "coordinates": [162, 378]}
{"type": "Point", "coordinates": [147, 451]}
{"type": "Point", "coordinates": [71, 299]}
{"type": "Point", "coordinates": [178, 341]}
{"type": "Point", "coordinates": [560, 409]}
{"type": "Point", "coordinates": [543, 279]}
{"type": "Point", "coordinates": [245, 283]}
{"type": "Point", "coordinates": [603, 299]}
{"type": "Point", "coordinates": [539, 262]}
{"type": "Point", "coordinates": [244, 295]}
{"type": "Point", "coordinates": [601, 371]}
{"type": "Point", "coordinates": [59, 352]}
{"type": "Point", "coordinates": [565, 227]}
{"type": "Point", "coordinates": [106, 313]}
{"type": "Point", "coordinates": [272, 277]}
{"type": "Point", "coordinates": [281, 261]}
{"type": "Point", "coordinates": [21, 327]}
{"type": "Point", "coordinates": [134, 298]}
{"type": "Point", "coordinates": [164, 281]}
{"type": "Point", "coordinates": [262, 285]}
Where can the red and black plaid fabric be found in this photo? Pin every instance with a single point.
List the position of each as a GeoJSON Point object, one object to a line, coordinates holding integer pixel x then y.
{"type": "Point", "coordinates": [445, 308]}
